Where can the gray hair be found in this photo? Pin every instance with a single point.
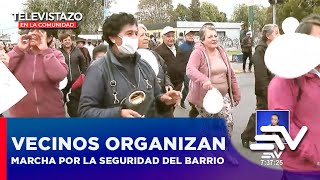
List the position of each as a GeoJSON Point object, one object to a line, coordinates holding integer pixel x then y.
{"type": "Point", "coordinates": [142, 26]}
{"type": "Point", "coordinates": [307, 23]}
{"type": "Point", "coordinates": [206, 26]}
{"type": "Point", "coordinates": [267, 30]}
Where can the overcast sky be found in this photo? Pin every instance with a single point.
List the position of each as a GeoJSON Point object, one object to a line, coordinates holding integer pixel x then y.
{"type": "Point", "coordinates": [7, 25]}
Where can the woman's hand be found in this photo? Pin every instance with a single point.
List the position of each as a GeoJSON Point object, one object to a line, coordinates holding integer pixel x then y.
{"type": "Point", "coordinates": [236, 103]}
{"type": "Point", "coordinates": [23, 42]}
{"type": "Point", "coordinates": [128, 113]}
{"type": "Point", "coordinates": [207, 85]}
{"type": "Point", "coordinates": [171, 98]}
{"type": "Point", "coordinates": [4, 58]}
{"type": "Point", "coordinates": [42, 44]}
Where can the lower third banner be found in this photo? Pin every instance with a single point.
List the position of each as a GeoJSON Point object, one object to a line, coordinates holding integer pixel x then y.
{"type": "Point", "coordinates": [144, 149]}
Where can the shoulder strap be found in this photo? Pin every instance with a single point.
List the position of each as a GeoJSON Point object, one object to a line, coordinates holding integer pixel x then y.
{"type": "Point", "coordinates": [144, 75]}
{"type": "Point", "coordinates": [112, 82]}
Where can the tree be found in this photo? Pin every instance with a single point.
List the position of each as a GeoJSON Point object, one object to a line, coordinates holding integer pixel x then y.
{"type": "Point", "coordinates": [155, 11]}
{"type": "Point", "coordinates": [261, 15]}
{"type": "Point", "coordinates": [91, 11]}
{"type": "Point", "coordinates": [240, 13]}
{"type": "Point", "coordinates": [210, 12]}
{"type": "Point", "coordinates": [181, 13]}
{"type": "Point", "coordinates": [223, 17]}
{"type": "Point", "coordinates": [297, 8]}
{"type": "Point", "coordinates": [195, 10]}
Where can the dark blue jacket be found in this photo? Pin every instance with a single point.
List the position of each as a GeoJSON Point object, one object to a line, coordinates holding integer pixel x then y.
{"type": "Point", "coordinates": [186, 47]}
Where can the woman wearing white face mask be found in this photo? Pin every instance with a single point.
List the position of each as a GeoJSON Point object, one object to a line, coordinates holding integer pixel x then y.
{"type": "Point", "coordinates": [121, 84]}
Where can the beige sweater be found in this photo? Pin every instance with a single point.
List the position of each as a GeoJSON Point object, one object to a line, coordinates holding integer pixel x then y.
{"type": "Point", "coordinates": [219, 75]}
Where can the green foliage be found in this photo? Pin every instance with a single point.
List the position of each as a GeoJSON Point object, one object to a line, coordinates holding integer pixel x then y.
{"type": "Point", "coordinates": [297, 8]}
{"type": "Point", "coordinates": [261, 15]}
{"type": "Point", "coordinates": [181, 13]}
{"type": "Point", "coordinates": [210, 12]}
{"type": "Point", "coordinates": [240, 13]}
{"type": "Point", "coordinates": [223, 17]}
{"type": "Point", "coordinates": [91, 11]}
{"type": "Point", "coordinates": [195, 10]}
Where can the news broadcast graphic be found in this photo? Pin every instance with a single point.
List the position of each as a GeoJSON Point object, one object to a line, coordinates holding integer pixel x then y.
{"type": "Point", "coordinates": [272, 133]}
{"type": "Point", "coordinates": [51, 20]}
{"type": "Point", "coordinates": [272, 118]}
{"type": "Point", "coordinates": [119, 149]}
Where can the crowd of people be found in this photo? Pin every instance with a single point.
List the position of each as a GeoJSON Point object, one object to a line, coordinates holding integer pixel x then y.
{"type": "Point", "coordinates": [134, 76]}
{"type": "Point", "coordinates": [6, 47]}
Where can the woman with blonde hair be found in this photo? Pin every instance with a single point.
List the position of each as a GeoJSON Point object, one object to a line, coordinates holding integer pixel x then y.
{"type": "Point", "coordinates": [209, 67]}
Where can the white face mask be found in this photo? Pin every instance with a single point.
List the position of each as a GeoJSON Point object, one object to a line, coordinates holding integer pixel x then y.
{"type": "Point", "coordinates": [129, 45]}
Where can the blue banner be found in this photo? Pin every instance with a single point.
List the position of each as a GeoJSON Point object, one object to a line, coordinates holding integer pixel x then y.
{"type": "Point", "coordinates": [164, 149]}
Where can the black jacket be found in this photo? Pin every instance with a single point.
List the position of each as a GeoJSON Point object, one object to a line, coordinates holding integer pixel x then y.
{"type": "Point", "coordinates": [176, 64]}
{"type": "Point", "coordinates": [262, 75]}
{"type": "Point", "coordinates": [75, 61]}
{"type": "Point", "coordinates": [97, 99]}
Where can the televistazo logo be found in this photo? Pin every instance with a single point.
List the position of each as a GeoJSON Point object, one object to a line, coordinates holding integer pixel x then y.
{"type": "Point", "coordinates": [293, 144]}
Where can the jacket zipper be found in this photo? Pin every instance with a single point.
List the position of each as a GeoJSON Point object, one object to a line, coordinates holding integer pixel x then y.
{"type": "Point", "coordinates": [69, 63]}
{"type": "Point", "coordinates": [70, 66]}
{"type": "Point", "coordinates": [208, 64]}
{"type": "Point", "coordinates": [33, 78]}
